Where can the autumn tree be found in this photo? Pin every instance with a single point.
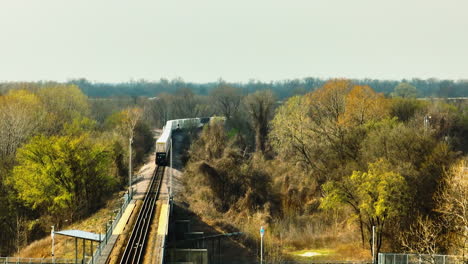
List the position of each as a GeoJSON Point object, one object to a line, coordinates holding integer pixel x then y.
{"type": "Point", "coordinates": [414, 154]}
{"type": "Point", "coordinates": [260, 107]}
{"type": "Point", "coordinates": [320, 131]}
{"type": "Point", "coordinates": [329, 102]}
{"type": "Point", "coordinates": [363, 105]}
{"type": "Point", "coordinates": [453, 205]}
{"type": "Point", "coordinates": [292, 135]}
{"type": "Point", "coordinates": [376, 197]}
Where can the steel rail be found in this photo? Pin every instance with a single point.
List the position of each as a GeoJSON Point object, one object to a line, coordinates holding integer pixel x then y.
{"type": "Point", "coordinates": [135, 247]}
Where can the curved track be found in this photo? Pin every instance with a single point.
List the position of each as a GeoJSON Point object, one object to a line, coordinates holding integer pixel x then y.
{"type": "Point", "coordinates": [134, 251]}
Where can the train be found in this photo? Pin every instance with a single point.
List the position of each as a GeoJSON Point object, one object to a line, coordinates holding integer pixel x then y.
{"type": "Point", "coordinates": [163, 144]}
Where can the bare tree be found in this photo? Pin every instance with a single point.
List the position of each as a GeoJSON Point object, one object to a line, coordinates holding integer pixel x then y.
{"type": "Point", "coordinates": [226, 99]}
{"type": "Point", "coordinates": [21, 115]}
{"type": "Point", "coordinates": [184, 104]}
{"type": "Point", "coordinates": [260, 107]}
{"type": "Point", "coordinates": [423, 237]}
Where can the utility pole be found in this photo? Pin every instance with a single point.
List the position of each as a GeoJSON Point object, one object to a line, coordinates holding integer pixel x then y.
{"type": "Point", "coordinates": [373, 244]}
{"type": "Point", "coordinates": [130, 168]}
{"type": "Point", "coordinates": [262, 233]}
{"type": "Point", "coordinates": [52, 234]}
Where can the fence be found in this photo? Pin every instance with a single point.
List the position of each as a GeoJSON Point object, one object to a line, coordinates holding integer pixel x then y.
{"type": "Point", "coordinates": [90, 260]}
{"type": "Point", "coordinates": [394, 258]}
{"type": "Point", "coordinates": [14, 260]}
{"type": "Point", "coordinates": [294, 262]}
{"type": "Point", "coordinates": [109, 229]}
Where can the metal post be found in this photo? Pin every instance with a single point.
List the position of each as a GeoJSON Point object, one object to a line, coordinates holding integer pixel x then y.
{"type": "Point", "coordinates": [212, 257]}
{"type": "Point", "coordinates": [373, 244]}
{"type": "Point", "coordinates": [261, 250]}
{"type": "Point", "coordinates": [172, 187]}
{"type": "Point", "coordinates": [262, 233]}
{"type": "Point", "coordinates": [130, 168]}
{"type": "Point", "coordinates": [52, 234]}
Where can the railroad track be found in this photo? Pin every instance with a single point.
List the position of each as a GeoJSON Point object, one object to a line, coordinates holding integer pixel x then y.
{"type": "Point", "coordinates": [134, 251]}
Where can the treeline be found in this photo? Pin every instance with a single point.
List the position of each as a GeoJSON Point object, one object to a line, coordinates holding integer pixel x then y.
{"type": "Point", "coordinates": [61, 157]}
{"type": "Point", "coordinates": [301, 166]}
{"type": "Point", "coordinates": [282, 89]}
{"type": "Point", "coordinates": [323, 168]}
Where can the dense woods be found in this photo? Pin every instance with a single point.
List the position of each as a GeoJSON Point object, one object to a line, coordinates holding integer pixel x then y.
{"type": "Point", "coordinates": [61, 157]}
{"type": "Point", "coordinates": [342, 157]}
{"type": "Point", "coordinates": [317, 162]}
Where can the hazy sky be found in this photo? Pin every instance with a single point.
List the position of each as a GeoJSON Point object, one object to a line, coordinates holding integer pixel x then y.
{"type": "Point", "coordinates": [237, 40]}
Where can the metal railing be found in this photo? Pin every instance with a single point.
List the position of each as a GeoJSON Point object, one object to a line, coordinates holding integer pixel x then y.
{"type": "Point", "coordinates": [109, 229]}
{"type": "Point", "coordinates": [89, 259]}
{"type": "Point", "coordinates": [398, 258]}
{"type": "Point", "coordinates": [17, 260]}
{"type": "Point", "coordinates": [295, 262]}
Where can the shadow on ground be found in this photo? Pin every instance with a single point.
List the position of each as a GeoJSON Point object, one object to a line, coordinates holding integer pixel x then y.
{"type": "Point", "coordinates": [189, 231]}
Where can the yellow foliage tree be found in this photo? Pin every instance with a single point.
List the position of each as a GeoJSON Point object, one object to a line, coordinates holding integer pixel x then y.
{"type": "Point", "coordinates": [363, 105]}
{"type": "Point", "coordinates": [21, 116]}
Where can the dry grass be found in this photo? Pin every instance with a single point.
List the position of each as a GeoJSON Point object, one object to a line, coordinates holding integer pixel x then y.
{"type": "Point", "coordinates": [65, 246]}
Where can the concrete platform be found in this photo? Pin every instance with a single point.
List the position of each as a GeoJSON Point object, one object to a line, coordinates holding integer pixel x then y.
{"type": "Point", "coordinates": [124, 219]}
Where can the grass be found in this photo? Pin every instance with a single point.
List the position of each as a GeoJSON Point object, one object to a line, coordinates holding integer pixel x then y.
{"type": "Point", "coordinates": [65, 246]}
{"type": "Point", "coordinates": [341, 252]}
{"type": "Point", "coordinates": [312, 254]}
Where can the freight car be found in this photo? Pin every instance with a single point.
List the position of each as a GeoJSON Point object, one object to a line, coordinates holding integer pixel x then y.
{"type": "Point", "coordinates": [163, 144]}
